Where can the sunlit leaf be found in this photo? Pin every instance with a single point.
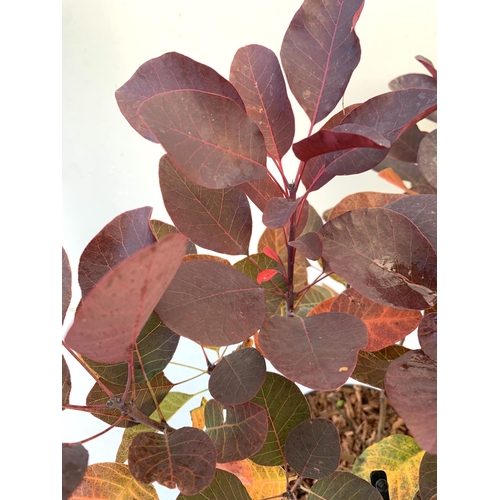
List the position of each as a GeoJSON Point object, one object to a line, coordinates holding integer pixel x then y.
{"type": "Point", "coordinates": [238, 377]}
{"type": "Point", "coordinates": [225, 486]}
{"type": "Point", "coordinates": [184, 459]}
{"type": "Point", "coordinates": [286, 407]}
{"type": "Point", "coordinates": [266, 481]}
{"type": "Point", "coordinates": [208, 138]}
{"type": "Point", "coordinates": [240, 434]}
{"type": "Point", "coordinates": [198, 415]}
{"type": "Point", "coordinates": [342, 485]}
{"type": "Point", "coordinates": [411, 388]}
{"type": "Point", "coordinates": [215, 219]}
{"type": "Point", "coordinates": [312, 449]}
{"type": "Point", "coordinates": [319, 352]}
{"type": "Point", "coordinates": [168, 73]}
{"type": "Point", "coordinates": [256, 74]}
{"type": "Point", "coordinates": [112, 480]}
{"type": "Point", "coordinates": [66, 283]}
{"type": "Point", "coordinates": [399, 456]}
{"type": "Point", "coordinates": [242, 469]}
{"type": "Point", "coordinates": [383, 255]}
{"type": "Point", "coordinates": [74, 463]}
{"type": "Point", "coordinates": [320, 51]}
{"type": "Point", "coordinates": [112, 316]}
{"type": "Point", "coordinates": [125, 235]}
{"type": "Point", "coordinates": [211, 303]}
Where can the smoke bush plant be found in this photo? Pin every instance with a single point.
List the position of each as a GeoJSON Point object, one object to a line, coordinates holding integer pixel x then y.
{"type": "Point", "coordinates": [144, 285]}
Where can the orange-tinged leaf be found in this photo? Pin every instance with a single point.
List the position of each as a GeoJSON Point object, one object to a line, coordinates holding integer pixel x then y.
{"type": "Point", "coordinates": [399, 456]}
{"type": "Point", "coordinates": [390, 176]}
{"type": "Point", "coordinates": [112, 480]}
{"type": "Point", "coordinates": [198, 415]}
{"type": "Point", "coordinates": [266, 275]}
{"type": "Point", "coordinates": [266, 481]}
{"type": "Point", "coordinates": [242, 469]}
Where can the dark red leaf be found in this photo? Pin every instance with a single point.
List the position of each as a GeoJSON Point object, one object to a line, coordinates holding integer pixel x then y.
{"type": "Point", "coordinates": [266, 275]}
{"type": "Point", "coordinates": [372, 366]}
{"type": "Point", "coordinates": [66, 283]}
{"type": "Point", "coordinates": [167, 73]}
{"type": "Point", "coordinates": [162, 229]}
{"type": "Point", "coordinates": [241, 434]}
{"type": "Point", "coordinates": [411, 388]}
{"type": "Point", "coordinates": [184, 459]}
{"type": "Point", "coordinates": [427, 335]}
{"type": "Point", "coordinates": [215, 219]}
{"type": "Point", "coordinates": [74, 463]}
{"type": "Point", "coordinates": [421, 209]}
{"type": "Point", "coordinates": [320, 51]}
{"type": "Point", "coordinates": [386, 325]}
{"type": "Point", "coordinates": [213, 304]}
{"type": "Point", "coordinates": [341, 485]}
{"type": "Point", "coordinates": [312, 449]}
{"type": "Point", "coordinates": [427, 477]}
{"type": "Point", "coordinates": [309, 245]}
{"type": "Point", "coordinates": [116, 241]}
{"type": "Point", "coordinates": [257, 76]}
{"type": "Point", "coordinates": [427, 158]}
{"type": "Point", "coordinates": [390, 115]}
{"type": "Point", "coordinates": [383, 255]}
{"type": "Point", "coordinates": [337, 118]}
{"type": "Point", "coordinates": [66, 382]}
{"type": "Point", "coordinates": [406, 147]}
{"type": "Point", "coordinates": [413, 81]}
{"type": "Point", "coordinates": [319, 352]}
{"type": "Point", "coordinates": [278, 212]}
{"type": "Point", "coordinates": [342, 137]}
{"type": "Point", "coordinates": [427, 65]}
{"type": "Point", "coordinates": [112, 316]}
{"type": "Point", "coordinates": [260, 192]}
{"type": "Point", "coordinates": [208, 138]}
{"type": "Point", "coordinates": [238, 377]}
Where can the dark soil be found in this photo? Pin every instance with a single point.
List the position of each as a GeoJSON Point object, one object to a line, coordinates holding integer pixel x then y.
{"type": "Point", "coordinates": [363, 416]}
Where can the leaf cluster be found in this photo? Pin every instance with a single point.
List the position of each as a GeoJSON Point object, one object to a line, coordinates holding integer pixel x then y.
{"type": "Point", "coordinates": [145, 283]}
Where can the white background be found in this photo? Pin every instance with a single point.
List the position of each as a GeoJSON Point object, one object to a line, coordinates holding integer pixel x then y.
{"type": "Point", "coordinates": [109, 168]}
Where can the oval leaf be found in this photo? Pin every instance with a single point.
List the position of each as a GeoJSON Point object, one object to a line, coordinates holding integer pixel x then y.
{"type": "Point", "coordinates": [241, 434]}
{"type": "Point", "coordinates": [112, 480]}
{"type": "Point", "coordinates": [346, 136]}
{"type": "Point", "coordinates": [256, 74]}
{"type": "Point", "coordinates": [383, 255]}
{"type": "Point", "coordinates": [399, 456]}
{"type": "Point", "coordinates": [212, 304]}
{"type": "Point", "coordinates": [278, 212]}
{"type": "Point", "coordinates": [266, 275]}
{"type": "Point", "coordinates": [427, 479]}
{"type": "Point", "coordinates": [427, 335]}
{"type": "Point", "coordinates": [320, 51]}
{"type": "Point", "coordinates": [342, 485]}
{"type": "Point", "coordinates": [184, 459]}
{"type": "Point", "coordinates": [116, 241]}
{"type": "Point", "coordinates": [162, 229]}
{"type": "Point", "coordinates": [74, 464]}
{"type": "Point", "coordinates": [225, 486]}
{"type": "Point", "coordinates": [238, 377]}
{"type": "Point", "coordinates": [216, 219]}
{"type": "Point", "coordinates": [309, 245]}
{"type": "Point", "coordinates": [411, 388]}
{"type": "Point", "coordinates": [386, 325]}
{"type": "Point", "coordinates": [66, 382]}
{"type": "Point", "coordinates": [167, 73]}
{"type": "Point", "coordinates": [312, 449]}
{"type": "Point", "coordinates": [329, 342]}
{"type": "Point", "coordinates": [66, 283]}
{"type": "Point", "coordinates": [286, 407]}
{"type": "Point", "coordinates": [427, 158]}
{"type": "Point", "coordinates": [208, 137]}
{"type": "Point", "coordinates": [112, 316]}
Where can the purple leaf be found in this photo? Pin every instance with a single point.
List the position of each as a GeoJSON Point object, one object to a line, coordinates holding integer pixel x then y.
{"type": "Point", "coordinates": [74, 463]}
{"type": "Point", "coordinates": [427, 65]}
{"type": "Point", "coordinates": [208, 138]}
{"type": "Point", "coordinates": [421, 209]}
{"type": "Point", "coordinates": [406, 146]}
{"type": "Point", "coordinates": [216, 219]}
{"type": "Point", "coordinates": [125, 235]}
{"type": "Point", "coordinates": [319, 352]}
{"type": "Point", "coordinates": [309, 245]}
{"type": "Point", "coordinates": [212, 303]}
{"type": "Point", "coordinates": [411, 388]}
{"type": "Point", "coordinates": [390, 115]}
{"type": "Point", "coordinates": [238, 377]}
{"type": "Point", "coordinates": [320, 51]}
{"type": "Point", "coordinates": [66, 283]}
{"type": "Point", "coordinates": [427, 158]}
{"type": "Point", "coordinates": [260, 192]}
{"type": "Point", "coordinates": [278, 212]}
{"type": "Point", "coordinates": [383, 255]}
{"type": "Point", "coordinates": [256, 74]}
{"type": "Point", "coordinates": [346, 136]}
{"type": "Point", "coordinates": [169, 72]}
{"type": "Point", "coordinates": [413, 81]}
{"type": "Point", "coordinates": [427, 335]}
{"type": "Point", "coordinates": [112, 316]}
